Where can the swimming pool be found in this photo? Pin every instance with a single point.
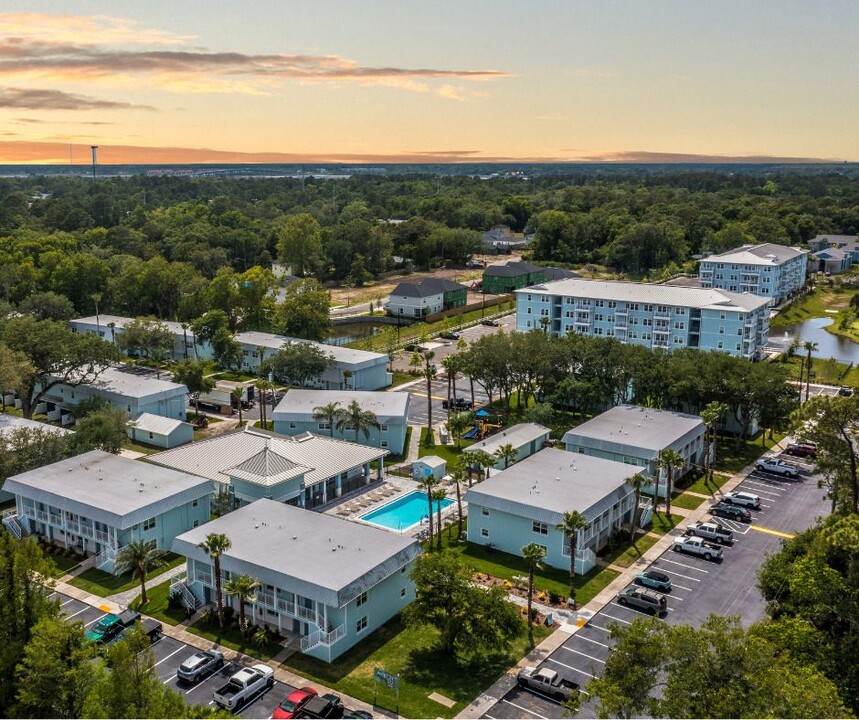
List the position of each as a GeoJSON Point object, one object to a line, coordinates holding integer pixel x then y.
{"type": "Point", "coordinates": [404, 512]}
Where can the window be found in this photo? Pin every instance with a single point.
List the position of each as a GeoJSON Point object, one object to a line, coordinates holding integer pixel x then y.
{"type": "Point", "coordinates": [540, 528]}
{"type": "Point", "coordinates": [484, 512]}
{"type": "Point", "coordinates": [484, 532]}
{"type": "Point", "coordinates": [384, 443]}
{"type": "Point", "coordinates": [149, 524]}
{"type": "Point", "coordinates": [384, 428]}
{"type": "Point", "coordinates": [403, 570]}
{"type": "Point", "coordinates": [151, 436]}
{"type": "Point", "coordinates": [361, 625]}
{"type": "Point", "coordinates": [402, 592]}
{"type": "Point", "coordinates": [322, 425]}
{"type": "Point", "coordinates": [362, 598]}
{"type": "Point", "coordinates": [194, 503]}
{"type": "Point", "coordinates": [196, 523]}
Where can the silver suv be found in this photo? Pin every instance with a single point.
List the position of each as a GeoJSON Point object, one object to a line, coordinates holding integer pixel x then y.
{"type": "Point", "coordinates": [647, 600]}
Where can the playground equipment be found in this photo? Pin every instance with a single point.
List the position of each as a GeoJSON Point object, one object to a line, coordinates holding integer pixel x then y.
{"type": "Point", "coordinates": [472, 433]}
{"type": "Point", "coordinates": [482, 426]}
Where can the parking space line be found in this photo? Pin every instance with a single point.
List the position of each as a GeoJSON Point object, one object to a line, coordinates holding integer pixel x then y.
{"type": "Point", "coordinates": [91, 622]}
{"type": "Point", "coordinates": [200, 684]}
{"type": "Point", "coordinates": [169, 656]}
{"type": "Point", "coordinates": [63, 604]}
{"type": "Point", "coordinates": [768, 491]}
{"type": "Point", "coordinates": [772, 532]}
{"type": "Point", "coordinates": [590, 657]}
{"type": "Point", "coordinates": [69, 617]}
{"type": "Point", "coordinates": [674, 572]}
{"type": "Point", "coordinates": [682, 587]}
{"type": "Point", "coordinates": [575, 669]}
{"type": "Point", "coordinates": [691, 567]}
{"type": "Point", "coordinates": [164, 682]}
{"type": "Point", "coordinates": [605, 614]}
{"type": "Point", "coordinates": [595, 642]}
{"type": "Point", "coordinates": [519, 707]}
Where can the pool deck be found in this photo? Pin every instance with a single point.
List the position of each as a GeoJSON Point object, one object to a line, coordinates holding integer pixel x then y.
{"type": "Point", "coordinates": [374, 496]}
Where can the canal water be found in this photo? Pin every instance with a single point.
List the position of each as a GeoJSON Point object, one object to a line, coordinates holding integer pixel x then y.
{"type": "Point", "coordinates": [828, 345]}
{"type": "Point", "coordinates": [350, 332]}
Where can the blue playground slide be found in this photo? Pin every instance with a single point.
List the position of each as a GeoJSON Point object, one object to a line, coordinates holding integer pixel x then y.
{"type": "Point", "coordinates": [474, 432]}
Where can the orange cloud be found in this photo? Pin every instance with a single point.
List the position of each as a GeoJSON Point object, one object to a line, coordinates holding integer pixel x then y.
{"type": "Point", "coordinates": [33, 99]}
{"type": "Point", "coordinates": [96, 29]}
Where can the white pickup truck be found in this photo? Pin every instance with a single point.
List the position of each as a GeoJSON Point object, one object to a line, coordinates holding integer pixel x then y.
{"type": "Point", "coordinates": [548, 682]}
{"type": "Point", "coordinates": [777, 467]}
{"type": "Point", "coordinates": [711, 531]}
{"type": "Point", "coordinates": [244, 686]}
{"type": "Point", "coordinates": [698, 546]}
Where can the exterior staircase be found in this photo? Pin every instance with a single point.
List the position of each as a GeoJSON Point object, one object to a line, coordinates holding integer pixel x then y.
{"type": "Point", "coordinates": [13, 524]}
{"type": "Point", "coordinates": [179, 585]}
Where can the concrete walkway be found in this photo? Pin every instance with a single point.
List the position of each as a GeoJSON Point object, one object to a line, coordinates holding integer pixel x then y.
{"type": "Point", "coordinates": [124, 598]}
{"type": "Point", "coordinates": [579, 619]}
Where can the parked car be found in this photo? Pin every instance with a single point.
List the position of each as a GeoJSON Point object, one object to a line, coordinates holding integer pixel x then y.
{"type": "Point", "coordinates": [731, 512]}
{"type": "Point", "coordinates": [845, 391]}
{"type": "Point", "coordinates": [711, 531]}
{"type": "Point", "coordinates": [413, 347]}
{"type": "Point", "coordinates": [457, 404]}
{"type": "Point", "coordinates": [245, 685]}
{"type": "Point", "coordinates": [802, 449]}
{"type": "Point", "coordinates": [293, 702]}
{"type": "Point", "coordinates": [111, 627]}
{"type": "Point", "coordinates": [777, 467]}
{"type": "Point", "coordinates": [347, 713]}
{"type": "Point", "coordinates": [647, 600]}
{"type": "Point", "coordinates": [654, 579]}
{"type": "Point", "coordinates": [449, 336]}
{"type": "Point", "coordinates": [547, 681]}
{"type": "Point", "coordinates": [490, 323]}
{"type": "Point", "coordinates": [326, 706]}
{"type": "Point", "coordinates": [698, 546]}
{"type": "Point", "coordinates": [745, 499]}
{"type": "Point", "coordinates": [200, 665]}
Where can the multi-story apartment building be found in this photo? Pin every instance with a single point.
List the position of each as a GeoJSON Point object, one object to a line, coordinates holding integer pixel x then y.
{"type": "Point", "coordinates": [656, 316]}
{"type": "Point", "coordinates": [770, 270]}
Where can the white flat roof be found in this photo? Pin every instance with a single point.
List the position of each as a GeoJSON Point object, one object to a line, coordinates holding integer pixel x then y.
{"type": "Point", "coordinates": [516, 435]}
{"type": "Point", "coordinates": [120, 322]}
{"type": "Point", "coordinates": [317, 555]}
{"type": "Point", "coordinates": [674, 295]}
{"type": "Point", "coordinates": [13, 422]}
{"type": "Point", "coordinates": [763, 254]}
{"type": "Point", "coordinates": [635, 426]}
{"type": "Point", "coordinates": [128, 382]}
{"type": "Point", "coordinates": [109, 488]}
{"type": "Point", "coordinates": [340, 353]}
{"type": "Point", "coordinates": [299, 404]}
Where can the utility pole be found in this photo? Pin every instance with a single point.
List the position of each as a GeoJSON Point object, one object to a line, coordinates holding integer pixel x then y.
{"type": "Point", "coordinates": [94, 149]}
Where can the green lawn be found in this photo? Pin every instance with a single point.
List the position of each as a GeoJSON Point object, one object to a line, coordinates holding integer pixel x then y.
{"type": "Point", "coordinates": [661, 524]}
{"type": "Point", "coordinates": [401, 378]}
{"type": "Point", "coordinates": [505, 566]}
{"type": "Point", "coordinates": [158, 606]}
{"type": "Point", "coordinates": [103, 584]}
{"type": "Point", "coordinates": [733, 455]}
{"type": "Point", "coordinates": [449, 453]}
{"type": "Point", "coordinates": [235, 376]}
{"type": "Point", "coordinates": [141, 448]}
{"type": "Point", "coordinates": [232, 639]}
{"type": "Point", "coordinates": [397, 459]}
{"type": "Point", "coordinates": [423, 669]}
{"type": "Point", "coordinates": [624, 556]}
{"type": "Point", "coordinates": [705, 487]}
{"type": "Point", "coordinates": [63, 563]}
{"type": "Point", "coordinates": [687, 501]}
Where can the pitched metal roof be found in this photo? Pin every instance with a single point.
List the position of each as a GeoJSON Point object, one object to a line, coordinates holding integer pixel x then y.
{"type": "Point", "coordinates": [516, 435]}
{"type": "Point", "coordinates": [215, 457]}
{"type": "Point", "coordinates": [693, 297]}
{"type": "Point", "coordinates": [156, 424]}
{"type": "Point", "coordinates": [511, 268]}
{"type": "Point", "coordinates": [341, 354]}
{"type": "Point", "coordinates": [426, 287]}
{"type": "Point", "coordinates": [761, 254]}
{"type": "Point", "coordinates": [109, 488]}
{"type": "Point", "coordinates": [125, 382]}
{"type": "Point", "coordinates": [316, 555]}
{"type": "Point", "coordinates": [299, 404]}
{"type": "Point", "coordinates": [551, 482]}
{"type": "Point", "coordinates": [632, 427]}
{"type": "Point", "coordinates": [267, 468]}
{"type": "Point", "coordinates": [9, 423]}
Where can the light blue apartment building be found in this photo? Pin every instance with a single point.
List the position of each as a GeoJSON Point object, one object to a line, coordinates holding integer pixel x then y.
{"type": "Point", "coordinates": [524, 503]}
{"type": "Point", "coordinates": [124, 388]}
{"type": "Point", "coordinates": [294, 415]}
{"type": "Point", "coordinates": [635, 436]}
{"type": "Point", "coordinates": [329, 581]}
{"type": "Point", "coordinates": [655, 316]}
{"type": "Point", "coordinates": [350, 369]}
{"type": "Point", "coordinates": [771, 270]}
{"type": "Point", "coordinates": [97, 502]}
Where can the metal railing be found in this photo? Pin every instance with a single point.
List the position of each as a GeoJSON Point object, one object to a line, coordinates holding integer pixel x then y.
{"type": "Point", "coordinates": [322, 638]}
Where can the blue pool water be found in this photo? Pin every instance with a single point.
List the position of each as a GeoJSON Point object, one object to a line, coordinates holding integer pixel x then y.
{"type": "Point", "coordinates": [404, 512]}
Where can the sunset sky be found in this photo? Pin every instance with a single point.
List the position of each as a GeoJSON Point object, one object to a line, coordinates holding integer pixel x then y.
{"type": "Point", "coordinates": [406, 80]}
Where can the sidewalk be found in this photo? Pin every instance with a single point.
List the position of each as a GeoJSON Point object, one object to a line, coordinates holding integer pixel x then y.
{"type": "Point", "coordinates": [579, 619]}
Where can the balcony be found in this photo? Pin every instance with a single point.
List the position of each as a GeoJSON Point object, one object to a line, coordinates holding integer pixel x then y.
{"type": "Point", "coordinates": [322, 638]}
{"type": "Point", "coordinates": [661, 317]}
{"type": "Point", "coordinates": [662, 330]}
{"type": "Point", "coordinates": [265, 598]}
{"type": "Point", "coordinates": [203, 577]}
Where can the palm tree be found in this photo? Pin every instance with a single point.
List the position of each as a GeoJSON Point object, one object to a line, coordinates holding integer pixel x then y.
{"type": "Point", "coordinates": [353, 417]}
{"type": "Point", "coordinates": [139, 557]}
{"type": "Point", "coordinates": [347, 376]}
{"type": "Point", "coordinates": [636, 482]}
{"type": "Point", "coordinates": [329, 413]}
{"type": "Point", "coordinates": [533, 554]}
{"type": "Point", "coordinates": [671, 460]}
{"type": "Point", "coordinates": [437, 496]}
{"type": "Point", "coordinates": [263, 386]}
{"type": "Point", "coordinates": [215, 545]}
{"type": "Point", "coordinates": [712, 414]}
{"type": "Point", "coordinates": [507, 453]}
{"type": "Point", "coordinates": [185, 340]}
{"type": "Point", "coordinates": [809, 348]}
{"type": "Point", "coordinates": [457, 423]}
{"type": "Point", "coordinates": [428, 484]}
{"type": "Point", "coordinates": [429, 372]}
{"type": "Point", "coordinates": [571, 524]}
{"type": "Point", "coordinates": [244, 588]}
{"type": "Point", "coordinates": [450, 363]}
{"type": "Point", "coordinates": [238, 394]}
{"type": "Point", "coordinates": [484, 461]}
{"type": "Point", "coordinates": [456, 473]}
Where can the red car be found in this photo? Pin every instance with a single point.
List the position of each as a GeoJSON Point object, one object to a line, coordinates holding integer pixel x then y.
{"type": "Point", "coordinates": [293, 702]}
{"type": "Point", "coordinates": [801, 450]}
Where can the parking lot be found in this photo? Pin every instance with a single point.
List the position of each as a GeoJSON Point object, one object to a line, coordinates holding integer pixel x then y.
{"type": "Point", "coordinates": [169, 655]}
{"type": "Point", "coordinates": [700, 587]}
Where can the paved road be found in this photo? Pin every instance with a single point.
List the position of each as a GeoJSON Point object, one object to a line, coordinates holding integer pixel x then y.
{"type": "Point", "coordinates": [699, 589]}
{"type": "Point", "coordinates": [169, 655]}
{"type": "Point", "coordinates": [418, 404]}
